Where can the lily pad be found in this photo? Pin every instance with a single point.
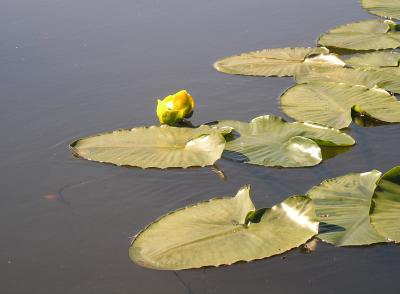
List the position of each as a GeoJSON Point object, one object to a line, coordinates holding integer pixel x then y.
{"type": "Point", "coordinates": [331, 103]}
{"type": "Point", "coordinates": [277, 62]}
{"type": "Point", "coordinates": [364, 77]}
{"type": "Point", "coordinates": [385, 8]}
{"type": "Point", "coordinates": [271, 141]}
{"type": "Point", "coordinates": [384, 63]}
{"type": "Point", "coordinates": [374, 60]}
{"type": "Point", "coordinates": [342, 207]}
{"type": "Point", "coordinates": [222, 231]}
{"type": "Point", "coordinates": [159, 147]}
{"type": "Point", "coordinates": [363, 35]}
{"type": "Point", "coordinates": [385, 211]}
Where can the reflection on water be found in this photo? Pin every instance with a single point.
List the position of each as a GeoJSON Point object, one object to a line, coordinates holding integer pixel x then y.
{"type": "Point", "coordinates": [310, 247]}
{"type": "Point", "coordinates": [331, 151]}
{"type": "Point", "coordinates": [365, 120]}
{"type": "Point", "coordinates": [368, 121]}
{"type": "Point", "coordinates": [219, 172]}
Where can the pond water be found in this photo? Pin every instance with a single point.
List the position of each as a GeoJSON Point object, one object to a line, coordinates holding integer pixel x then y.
{"type": "Point", "coordinates": [74, 68]}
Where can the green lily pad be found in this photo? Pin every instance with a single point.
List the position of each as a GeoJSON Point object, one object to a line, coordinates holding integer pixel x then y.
{"type": "Point", "coordinates": [363, 77]}
{"type": "Point", "coordinates": [384, 63]}
{"type": "Point", "coordinates": [363, 35]}
{"type": "Point", "coordinates": [385, 8]}
{"type": "Point", "coordinates": [277, 62]}
{"type": "Point", "coordinates": [385, 211]}
{"type": "Point", "coordinates": [374, 60]}
{"type": "Point", "coordinates": [222, 231]}
{"type": "Point", "coordinates": [271, 141]}
{"type": "Point", "coordinates": [342, 207]}
{"type": "Point", "coordinates": [159, 147]}
{"type": "Point", "coordinates": [331, 103]}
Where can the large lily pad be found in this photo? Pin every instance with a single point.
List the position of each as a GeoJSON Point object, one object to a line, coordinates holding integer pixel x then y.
{"type": "Point", "coordinates": [342, 207]}
{"type": "Point", "coordinates": [385, 211]}
{"type": "Point", "coordinates": [331, 103]}
{"type": "Point", "coordinates": [277, 62]}
{"type": "Point", "coordinates": [378, 59]}
{"type": "Point", "coordinates": [364, 77]}
{"type": "Point", "coordinates": [159, 147]}
{"type": "Point", "coordinates": [363, 35]}
{"type": "Point", "coordinates": [222, 231]}
{"type": "Point", "coordinates": [385, 8]}
{"type": "Point", "coordinates": [271, 141]}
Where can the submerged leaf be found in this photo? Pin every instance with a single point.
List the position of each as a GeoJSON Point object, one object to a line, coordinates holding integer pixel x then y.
{"type": "Point", "coordinates": [271, 141]}
{"type": "Point", "coordinates": [277, 62]}
{"type": "Point", "coordinates": [363, 35]}
{"type": "Point", "coordinates": [215, 232]}
{"type": "Point", "coordinates": [331, 103]}
{"type": "Point", "coordinates": [385, 211]}
{"type": "Point", "coordinates": [386, 8]}
{"type": "Point", "coordinates": [342, 207]}
{"type": "Point", "coordinates": [367, 78]}
{"type": "Point", "coordinates": [159, 147]}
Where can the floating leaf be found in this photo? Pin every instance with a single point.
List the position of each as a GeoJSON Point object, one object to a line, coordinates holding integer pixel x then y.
{"type": "Point", "coordinates": [271, 141]}
{"type": "Point", "coordinates": [160, 147]}
{"type": "Point", "coordinates": [385, 211]}
{"type": "Point", "coordinates": [367, 78]}
{"type": "Point", "coordinates": [386, 8]}
{"type": "Point", "coordinates": [277, 62]}
{"type": "Point", "coordinates": [384, 63]}
{"type": "Point", "coordinates": [221, 232]}
{"type": "Point", "coordinates": [342, 207]}
{"type": "Point", "coordinates": [375, 60]}
{"type": "Point", "coordinates": [331, 103]}
{"type": "Point", "coordinates": [363, 35]}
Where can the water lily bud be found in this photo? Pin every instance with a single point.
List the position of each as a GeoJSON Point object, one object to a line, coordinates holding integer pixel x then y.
{"type": "Point", "coordinates": [175, 108]}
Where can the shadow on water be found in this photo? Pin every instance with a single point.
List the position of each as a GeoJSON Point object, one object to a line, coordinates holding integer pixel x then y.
{"type": "Point", "coordinates": [329, 228]}
{"type": "Point", "coordinates": [363, 119]}
{"type": "Point", "coordinates": [233, 135]}
{"type": "Point", "coordinates": [331, 151]}
{"type": "Point", "coordinates": [235, 156]}
{"type": "Point", "coordinates": [343, 51]}
{"type": "Point", "coordinates": [368, 122]}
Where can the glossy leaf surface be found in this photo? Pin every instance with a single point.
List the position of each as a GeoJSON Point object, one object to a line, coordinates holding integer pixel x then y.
{"type": "Point", "coordinates": [385, 211]}
{"type": "Point", "coordinates": [159, 147]}
{"type": "Point", "coordinates": [363, 77]}
{"type": "Point", "coordinates": [385, 8]}
{"type": "Point", "coordinates": [342, 207]}
{"type": "Point", "coordinates": [215, 232]}
{"type": "Point", "coordinates": [363, 35]}
{"type": "Point", "coordinates": [378, 59]}
{"type": "Point", "coordinates": [331, 103]}
{"type": "Point", "coordinates": [277, 62]}
{"type": "Point", "coordinates": [271, 141]}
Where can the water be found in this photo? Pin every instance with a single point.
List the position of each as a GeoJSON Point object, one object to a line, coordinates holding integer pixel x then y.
{"type": "Point", "coordinates": [74, 68]}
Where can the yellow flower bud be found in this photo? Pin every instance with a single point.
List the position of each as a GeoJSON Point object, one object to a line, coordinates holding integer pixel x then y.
{"type": "Point", "coordinates": [175, 108]}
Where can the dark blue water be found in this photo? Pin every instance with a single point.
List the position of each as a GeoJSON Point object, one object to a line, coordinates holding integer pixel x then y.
{"type": "Point", "coordinates": [74, 68]}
